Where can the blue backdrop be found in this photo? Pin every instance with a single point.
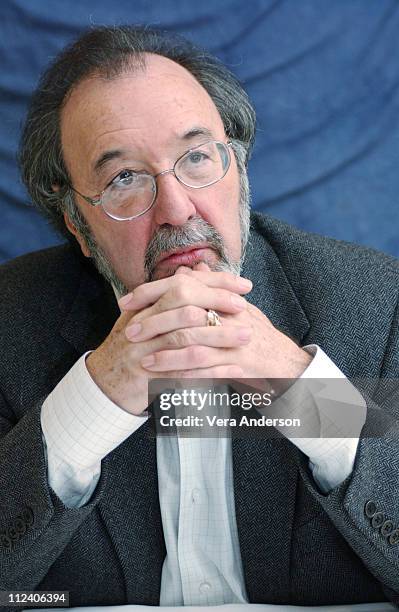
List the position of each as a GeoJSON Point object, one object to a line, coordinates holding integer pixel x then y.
{"type": "Point", "coordinates": [323, 75]}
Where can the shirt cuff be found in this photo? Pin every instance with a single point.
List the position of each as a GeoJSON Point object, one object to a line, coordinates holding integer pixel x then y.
{"type": "Point", "coordinates": [81, 425]}
{"type": "Point", "coordinates": [332, 455]}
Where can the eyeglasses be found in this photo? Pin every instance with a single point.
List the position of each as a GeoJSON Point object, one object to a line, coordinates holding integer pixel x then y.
{"type": "Point", "coordinates": [131, 193]}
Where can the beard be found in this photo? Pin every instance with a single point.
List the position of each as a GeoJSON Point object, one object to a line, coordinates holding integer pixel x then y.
{"type": "Point", "coordinates": [169, 238]}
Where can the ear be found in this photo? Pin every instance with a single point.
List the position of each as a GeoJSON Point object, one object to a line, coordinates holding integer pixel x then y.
{"type": "Point", "coordinates": [78, 236]}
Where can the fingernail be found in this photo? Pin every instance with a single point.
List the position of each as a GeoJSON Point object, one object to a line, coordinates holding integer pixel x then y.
{"type": "Point", "coordinates": [148, 361]}
{"type": "Point", "coordinates": [124, 301]}
{"type": "Point", "coordinates": [238, 301]}
{"type": "Point", "coordinates": [133, 330]}
{"type": "Point", "coordinates": [245, 283]}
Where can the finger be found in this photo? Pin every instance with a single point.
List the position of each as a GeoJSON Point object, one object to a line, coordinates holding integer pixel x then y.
{"type": "Point", "coordinates": [192, 357]}
{"type": "Point", "coordinates": [202, 267]}
{"type": "Point", "coordinates": [217, 337]}
{"type": "Point", "coordinates": [146, 326]}
{"type": "Point", "coordinates": [148, 293]}
{"type": "Point", "coordinates": [185, 326]}
{"type": "Point", "coordinates": [200, 296]}
{"type": "Point", "coordinates": [183, 270]}
{"type": "Point", "coordinates": [225, 371]}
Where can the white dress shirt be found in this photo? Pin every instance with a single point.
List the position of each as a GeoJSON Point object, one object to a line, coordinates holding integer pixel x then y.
{"type": "Point", "coordinates": [203, 563]}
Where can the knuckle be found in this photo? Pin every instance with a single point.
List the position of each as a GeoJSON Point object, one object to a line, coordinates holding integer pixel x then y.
{"type": "Point", "coordinates": [183, 293]}
{"type": "Point", "coordinates": [179, 280]}
{"type": "Point", "coordinates": [176, 294]}
{"type": "Point", "coordinates": [163, 301]}
{"type": "Point", "coordinates": [226, 277]}
{"type": "Point", "coordinates": [193, 315]}
{"type": "Point", "coordinates": [222, 295]}
{"type": "Point", "coordinates": [139, 292]}
{"type": "Point", "coordinates": [197, 354]}
{"type": "Point", "coordinates": [131, 355]}
{"type": "Point", "coordinates": [185, 337]}
{"type": "Point", "coordinates": [178, 338]}
{"type": "Point", "coordinates": [172, 339]}
{"type": "Point", "coordinates": [185, 280]}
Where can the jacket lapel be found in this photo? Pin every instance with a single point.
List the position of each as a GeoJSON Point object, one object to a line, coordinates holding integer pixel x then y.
{"type": "Point", "coordinates": [93, 312]}
{"type": "Point", "coordinates": [272, 292]}
{"type": "Point", "coordinates": [265, 473]}
{"type": "Point", "coordinates": [131, 512]}
{"type": "Point", "coordinates": [265, 477]}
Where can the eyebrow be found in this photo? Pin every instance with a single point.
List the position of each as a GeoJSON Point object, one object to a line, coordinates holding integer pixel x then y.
{"type": "Point", "coordinates": [197, 131]}
{"type": "Point", "coordinates": [108, 156]}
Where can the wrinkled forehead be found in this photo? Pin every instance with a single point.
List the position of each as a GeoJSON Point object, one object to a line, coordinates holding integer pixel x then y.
{"type": "Point", "coordinates": [160, 96]}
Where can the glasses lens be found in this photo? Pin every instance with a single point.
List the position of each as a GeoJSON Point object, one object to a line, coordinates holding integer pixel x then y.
{"type": "Point", "coordinates": [203, 165]}
{"type": "Point", "coordinates": [129, 195]}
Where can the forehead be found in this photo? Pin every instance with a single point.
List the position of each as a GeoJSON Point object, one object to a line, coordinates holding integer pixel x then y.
{"type": "Point", "coordinates": [142, 109]}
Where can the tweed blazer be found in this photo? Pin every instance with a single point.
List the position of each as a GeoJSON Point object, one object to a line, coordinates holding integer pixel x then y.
{"type": "Point", "coordinates": [298, 546]}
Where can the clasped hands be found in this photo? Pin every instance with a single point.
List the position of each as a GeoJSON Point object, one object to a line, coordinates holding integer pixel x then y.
{"type": "Point", "coordinates": [162, 333]}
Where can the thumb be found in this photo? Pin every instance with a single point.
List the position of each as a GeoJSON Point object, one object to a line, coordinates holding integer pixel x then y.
{"type": "Point", "coordinates": [202, 267]}
{"type": "Point", "coordinates": [183, 270]}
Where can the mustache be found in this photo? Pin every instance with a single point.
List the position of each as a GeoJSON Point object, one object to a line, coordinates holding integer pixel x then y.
{"type": "Point", "coordinates": [169, 238]}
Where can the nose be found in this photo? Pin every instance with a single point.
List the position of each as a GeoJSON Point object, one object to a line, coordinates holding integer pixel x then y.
{"type": "Point", "coordinates": [173, 205]}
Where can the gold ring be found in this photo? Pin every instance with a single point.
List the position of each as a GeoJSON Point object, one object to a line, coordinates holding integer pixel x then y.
{"type": "Point", "coordinates": [212, 318]}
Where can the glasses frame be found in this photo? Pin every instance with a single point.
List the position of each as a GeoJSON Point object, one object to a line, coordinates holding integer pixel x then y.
{"type": "Point", "coordinates": [98, 199]}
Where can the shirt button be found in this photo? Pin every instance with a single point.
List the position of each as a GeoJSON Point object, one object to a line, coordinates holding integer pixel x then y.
{"type": "Point", "coordinates": [205, 587]}
{"type": "Point", "coordinates": [195, 498]}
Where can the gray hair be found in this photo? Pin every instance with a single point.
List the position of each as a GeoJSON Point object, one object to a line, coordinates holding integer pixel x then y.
{"type": "Point", "coordinates": [108, 52]}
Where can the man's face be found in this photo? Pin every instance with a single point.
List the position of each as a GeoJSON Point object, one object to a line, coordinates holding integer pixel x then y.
{"type": "Point", "coordinates": [150, 118]}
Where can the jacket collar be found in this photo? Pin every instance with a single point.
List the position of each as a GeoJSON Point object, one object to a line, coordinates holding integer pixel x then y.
{"type": "Point", "coordinates": [93, 311]}
{"type": "Point", "coordinates": [272, 292]}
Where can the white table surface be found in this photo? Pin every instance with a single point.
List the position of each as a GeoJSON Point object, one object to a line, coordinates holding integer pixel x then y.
{"type": "Point", "coordinates": [376, 607]}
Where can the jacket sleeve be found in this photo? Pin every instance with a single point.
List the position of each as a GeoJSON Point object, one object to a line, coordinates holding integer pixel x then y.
{"type": "Point", "coordinates": [365, 507]}
{"type": "Point", "coordinates": [35, 526]}
{"type": "Point", "coordinates": [81, 426]}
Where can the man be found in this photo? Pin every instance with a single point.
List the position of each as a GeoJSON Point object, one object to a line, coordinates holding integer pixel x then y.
{"type": "Point", "coordinates": [136, 143]}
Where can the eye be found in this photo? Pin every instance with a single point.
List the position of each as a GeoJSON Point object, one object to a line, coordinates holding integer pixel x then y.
{"type": "Point", "coordinates": [126, 178]}
{"type": "Point", "coordinates": [197, 157]}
